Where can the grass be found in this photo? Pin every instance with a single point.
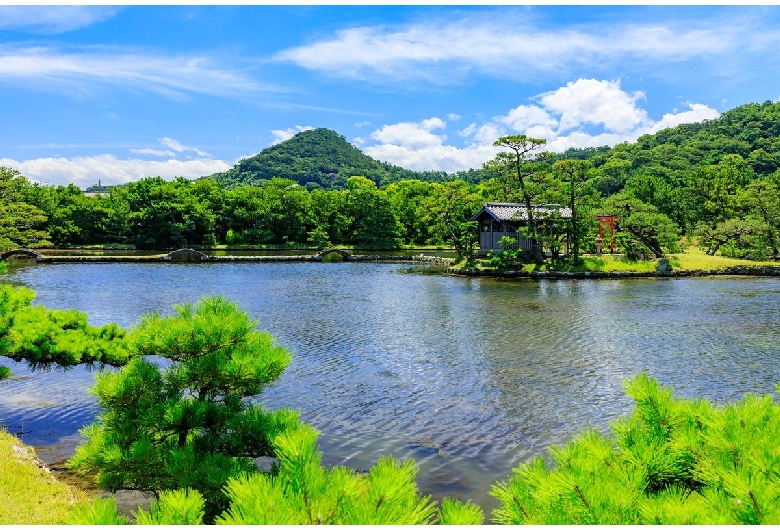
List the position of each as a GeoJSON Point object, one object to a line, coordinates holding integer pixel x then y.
{"type": "Point", "coordinates": [694, 259]}
{"type": "Point", "coordinates": [28, 493]}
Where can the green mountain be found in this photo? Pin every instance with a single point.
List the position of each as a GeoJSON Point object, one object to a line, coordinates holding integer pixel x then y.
{"type": "Point", "coordinates": [751, 131]}
{"type": "Point", "coordinates": [317, 158]}
{"type": "Point", "coordinates": [323, 158]}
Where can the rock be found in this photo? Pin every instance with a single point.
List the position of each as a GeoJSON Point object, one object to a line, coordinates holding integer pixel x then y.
{"type": "Point", "coordinates": [663, 266]}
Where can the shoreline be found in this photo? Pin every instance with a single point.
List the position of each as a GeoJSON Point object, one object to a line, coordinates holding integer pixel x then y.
{"type": "Point", "coordinates": [736, 270]}
{"type": "Point", "coordinates": [188, 255]}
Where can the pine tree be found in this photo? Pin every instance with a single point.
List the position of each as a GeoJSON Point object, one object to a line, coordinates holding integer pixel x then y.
{"type": "Point", "coordinates": [177, 417]}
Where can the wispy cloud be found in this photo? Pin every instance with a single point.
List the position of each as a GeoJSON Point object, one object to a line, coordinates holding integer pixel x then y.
{"type": "Point", "coordinates": [179, 148]}
{"type": "Point", "coordinates": [174, 76]}
{"type": "Point", "coordinates": [52, 19]}
{"type": "Point", "coordinates": [506, 46]}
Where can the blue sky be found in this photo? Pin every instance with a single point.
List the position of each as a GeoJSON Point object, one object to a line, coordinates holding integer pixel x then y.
{"type": "Point", "coordinates": [115, 94]}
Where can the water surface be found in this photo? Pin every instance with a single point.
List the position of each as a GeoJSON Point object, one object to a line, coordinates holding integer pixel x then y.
{"type": "Point", "coordinates": [468, 376]}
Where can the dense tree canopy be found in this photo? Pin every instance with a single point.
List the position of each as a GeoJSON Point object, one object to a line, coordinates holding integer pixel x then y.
{"type": "Point", "coordinates": [717, 181]}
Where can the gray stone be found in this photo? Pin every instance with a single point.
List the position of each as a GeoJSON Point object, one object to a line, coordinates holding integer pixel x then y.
{"type": "Point", "coordinates": [663, 266]}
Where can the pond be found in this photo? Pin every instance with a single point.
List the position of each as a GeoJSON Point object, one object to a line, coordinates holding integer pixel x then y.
{"type": "Point", "coordinates": [468, 376]}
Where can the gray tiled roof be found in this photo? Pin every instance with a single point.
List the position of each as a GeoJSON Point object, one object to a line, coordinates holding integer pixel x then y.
{"type": "Point", "coordinates": [509, 211]}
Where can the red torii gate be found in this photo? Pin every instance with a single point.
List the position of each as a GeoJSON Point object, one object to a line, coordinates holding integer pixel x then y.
{"type": "Point", "coordinates": [606, 220]}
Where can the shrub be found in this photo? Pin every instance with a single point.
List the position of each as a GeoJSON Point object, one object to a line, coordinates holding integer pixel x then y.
{"type": "Point", "coordinates": [302, 491]}
{"type": "Point", "coordinates": [185, 423]}
{"type": "Point", "coordinates": [51, 336]}
{"type": "Point", "coordinates": [672, 461]}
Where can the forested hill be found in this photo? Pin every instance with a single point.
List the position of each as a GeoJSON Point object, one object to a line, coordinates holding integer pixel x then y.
{"type": "Point", "coordinates": [318, 158]}
{"type": "Point", "coordinates": [321, 158]}
{"type": "Point", "coordinates": [751, 131]}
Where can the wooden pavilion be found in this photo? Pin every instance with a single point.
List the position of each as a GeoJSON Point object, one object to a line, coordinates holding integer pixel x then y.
{"type": "Point", "coordinates": [500, 219]}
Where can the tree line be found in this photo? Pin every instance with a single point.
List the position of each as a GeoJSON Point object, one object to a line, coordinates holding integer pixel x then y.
{"type": "Point", "coordinates": [716, 182]}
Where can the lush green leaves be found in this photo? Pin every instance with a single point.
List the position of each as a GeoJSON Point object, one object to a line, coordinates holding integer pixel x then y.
{"type": "Point", "coordinates": [176, 416]}
{"type": "Point", "coordinates": [672, 461]}
{"type": "Point", "coordinates": [301, 491]}
{"type": "Point", "coordinates": [44, 336]}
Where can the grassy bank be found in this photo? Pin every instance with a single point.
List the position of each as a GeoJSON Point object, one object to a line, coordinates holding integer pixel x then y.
{"type": "Point", "coordinates": [29, 494]}
{"type": "Point", "coordinates": [694, 259]}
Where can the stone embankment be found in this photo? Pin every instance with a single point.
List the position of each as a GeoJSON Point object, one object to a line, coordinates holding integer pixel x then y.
{"type": "Point", "coordinates": [192, 256]}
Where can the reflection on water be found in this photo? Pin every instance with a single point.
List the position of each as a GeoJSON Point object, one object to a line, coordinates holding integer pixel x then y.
{"type": "Point", "coordinates": [468, 376]}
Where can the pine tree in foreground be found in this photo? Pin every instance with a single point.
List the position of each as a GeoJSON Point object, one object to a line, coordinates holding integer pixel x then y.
{"type": "Point", "coordinates": [302, 491]}
{"type": "Point", "coordinates": [176, 416]}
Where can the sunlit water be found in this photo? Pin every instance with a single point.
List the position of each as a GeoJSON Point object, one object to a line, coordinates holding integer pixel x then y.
{"type": "Point", "coordinates": [467, 376]}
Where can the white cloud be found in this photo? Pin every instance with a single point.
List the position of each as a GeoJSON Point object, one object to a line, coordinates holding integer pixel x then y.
{"type": "Point", "coordinates": [507, 45]}
{"type": "Point", "coordinates": [526, 116]}
{"type": "Point", "coordinates": [453, 117]}
{"type": "Point", "coordinates": [413, 135]}
{"type": "Point", "coordinates": [280, 135]}
{"type": "Point", "coordinates": [697, 113]}
{"type": "Point", "coordinates": [85, 171]}
{"type": "Point", "coordinates": [588, 101]}
{"type": "Point", "coordinates": [414, 145]}
{"type": "Point", "coordinates": [173, 76]}
{"type": "Point", "coordinates": [174, 148]}
{"type": "Point", "coordinates": [468, 130]}
{"type": "Point", "coordinates": [52, 18]}
{"type": "Point", "coordinates": [583, 113]}
{"type": "Point", "coordinates": [436, 156]}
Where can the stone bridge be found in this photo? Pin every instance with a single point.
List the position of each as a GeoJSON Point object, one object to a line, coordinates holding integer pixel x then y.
{"type": "Point", "coordinates": [20, 255]}
{"type": "Point", "coordinates": [186, 254]}
{"type": "Point", "coordinates": [346, 256]}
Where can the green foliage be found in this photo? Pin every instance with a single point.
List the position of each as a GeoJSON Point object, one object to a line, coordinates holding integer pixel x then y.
{"type": "Point", "coordinates": [21, 222]}
{"type": "Point", "coordinates": [3, 267]}
{"type": "Point", "coordinates": [319, 238]}
{"type": "Point", "coordinates": [509, 257]}
{"type": "Point", "coordinates": [51, 336]}
{"type": "Point", "coordinates": [185, 422]}
{"type": "Point", "coordinates": [5, 372]}
{"type": "Point", "coordinates": [100, 511]}
{"type": "Point", "coordinates": [672, 461]}
{"type": "Point", "coordinates": [645, 224]}
{"type": "Point", "coordinates": [171, 214]}
{"type": "Point", "coordinates": [177, 507]}
{"type": "Point", "coordinates": [301, 491]}
{"type": "Point", "coordinates": [453, 512]}
{"type": "Point", "coordinates": [321, 157]}
{"type": "Point", "coordinates": [375, 224]}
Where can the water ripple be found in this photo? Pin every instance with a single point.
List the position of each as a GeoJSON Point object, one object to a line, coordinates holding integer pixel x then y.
{"type": "Point", "coordinates": [467, 376]}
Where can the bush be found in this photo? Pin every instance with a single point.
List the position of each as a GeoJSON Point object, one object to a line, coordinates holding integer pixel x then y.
{"type": "Point", "coordinates": [51, 336]}
{"type": "Point", "coordinates": [509, 257]}
{"type": "Point", "coordinates": [301, 491]}
{"type": "Point", "coordinates": [185, 423]}
{"type": "Point", "coordinates": [672, 461]}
